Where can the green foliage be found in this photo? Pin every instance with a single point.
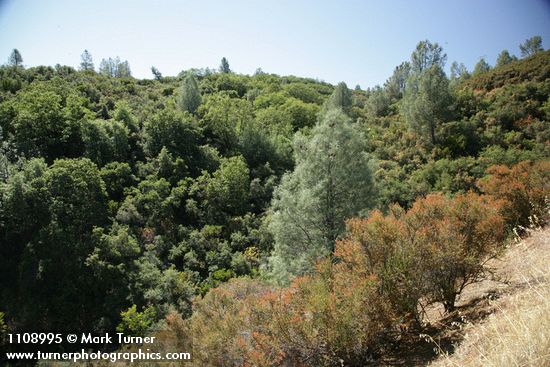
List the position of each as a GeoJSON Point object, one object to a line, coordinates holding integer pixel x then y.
{"type": "Point", "coordinates": [224, 66]}
{"type": "Point", "coordinates": [221, 118]}
{"type": "Point", "coordinates": [459, 72]}
{"type": "Point", "coordinates": [425, 56]}
{"type": "Point", "coordinates": [531, 46]}
{"type": "Point", "coordinates": [105, 141]}
{"type": "Point", "coordinates": [49, 220]}
{"type": "Point", "coordinates": [327, 185]}
{"type": "Point", "coordinates": [117, 176]}
{"type": "Point", "coordinates": [86, 62]}
{"type": "Point", "coordinates": [379, 101]}
{"type": "Point", "coordinates": [3, 328]}
{"type": "Point", "coordinates": [131, 201]}
{"type": "Point", "coordinates": [344, 311]}
{"type": "Point", "coordinates": [231, 83]}
{"type": "Point", "coordinates": [156, 73]}
{"type": "Point", "coordinates": [175, 131]}
{"type": "Point", "coordinates": [136, 323]}
{"type": "Point", "coordinates": [190, 98]}
{"type": "Point", "coordinates": [481, 67]}
{"type": "Point", "coordinates": [504, 58]}
{"type": "Point", "coordinates": [15, 58]}
{"type": "Point", "coordinates": [426, 103]}
{"type": "Point", "coordinates": [227, 190]}
{"type": "Point", "coordinates": [302, 114]}
{"type": "Point", "coordinates": [46, 120]}
{"type": "Point", "coordinates": [115, 68]}
{"type": "Point", "coordinates": [303, 92]}
{"type": "Point", "coordinates": [340, 98]}
{"type": "Point", "coordinates": [533, 69]}
{"type": "Point", "coordinates": [395, 85]}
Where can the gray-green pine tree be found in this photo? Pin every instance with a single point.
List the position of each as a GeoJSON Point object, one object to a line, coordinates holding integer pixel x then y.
{"type": "Point", "coordinates": [332, 181]}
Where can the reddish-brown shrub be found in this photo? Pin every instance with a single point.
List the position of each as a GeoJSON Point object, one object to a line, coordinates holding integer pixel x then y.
{"type": "Point", "coordinates": [526, 189]}
{"type": "Point", "coordinates": [382, 249]}
{"type": "Point", "coordinates": [221, 326]}
{"type": "Point", "coordinates": [453, 239]}
{"type": "Point", "coordinates": [335, 315]}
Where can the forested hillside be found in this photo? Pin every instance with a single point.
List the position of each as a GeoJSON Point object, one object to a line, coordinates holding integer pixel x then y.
{"type": "Point", "coordinates": [124, 201]}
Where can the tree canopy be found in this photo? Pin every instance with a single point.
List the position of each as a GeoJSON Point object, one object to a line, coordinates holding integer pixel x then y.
{"type": "Point", "coordinates": [328, 185]}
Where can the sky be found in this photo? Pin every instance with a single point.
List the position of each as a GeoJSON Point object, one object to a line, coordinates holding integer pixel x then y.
{"type": "Point", "coordinates": [355, 41]}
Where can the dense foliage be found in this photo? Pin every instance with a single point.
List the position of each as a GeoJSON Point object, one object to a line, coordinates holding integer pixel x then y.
{"type": "Point", "coordinates": [123, 201]}
{"type": "Point", "coordinates": [383, 269]}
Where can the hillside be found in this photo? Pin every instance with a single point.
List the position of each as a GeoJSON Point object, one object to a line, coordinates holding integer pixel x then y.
{"type": "Point", "coordinates": [504, 321]}
{"type": "Point", "coordinates": [533, 69]}
{"type": "Point", "coordinates": [276, 217]}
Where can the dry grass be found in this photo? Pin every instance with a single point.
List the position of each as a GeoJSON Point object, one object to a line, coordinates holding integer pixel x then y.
{"type": "Point", "coordinates": [518, 332]}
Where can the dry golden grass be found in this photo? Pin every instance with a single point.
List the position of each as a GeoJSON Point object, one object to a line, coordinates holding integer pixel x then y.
{"type": "Point", "coordinates": [518, 332]}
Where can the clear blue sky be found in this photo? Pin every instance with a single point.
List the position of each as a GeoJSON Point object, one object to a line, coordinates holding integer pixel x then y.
{"type": "Point", "coordinates": [357, 41]}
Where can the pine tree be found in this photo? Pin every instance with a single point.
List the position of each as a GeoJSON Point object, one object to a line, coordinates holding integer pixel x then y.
{"type": "Point", "coordinates": [15, 58]}
{"type": "Point", "coordinates": [459, 71]}
{"type": "Point", "coordinates": [107, 67]}
{"type": "Point", "coordinates": [426, 55]}
{"type": "Point", "coordinates": [190, 98]}
{"type": "Point", "coordinates": [340, 98]}
{"type": "Point", "coordinates": [86, 62]}
{"type": "Point", "coordinates": [504, 58]}
{"type": "Point", "coordinates": [332, 181]}
{"type": "Point", "coordinates": [531, 46]}
{"type": "Point", "coordinates": [123, 69]}
{"type": "Point", "coordinates": [115, 68]}
{"type": "Point", "coordinates": [395, 85]}
{"type": "Point", "coordinates": [224, 66]}
{"type": "Point", "coordinates": [481, 67]}
{"type": "Point", "coordinates": [426, 101]}
{"type": "Point", "coordinates": [156, 73]}
{"type": "Point", "coordinates": [426, 98]}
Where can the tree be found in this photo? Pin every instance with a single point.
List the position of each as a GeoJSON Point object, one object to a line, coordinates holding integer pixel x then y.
{"type": "Point", "coordinates": [395, 85]}
{"type": "Point", "coordinates": [123, 69]}
{"type": "Point", "coordinates": [177, 132]}
{"type": "Point", "coordinates": [107, 67]}
{"type": "Point", "coordinates": [459, 71]}
{"type": "Point", "coordinates": [378, 103]}
{"type": "Point", "coordinates": [115, 68]}
{"type": "Point", "coordinates": [332, 181]}
{"type": "Point", "coordinates": [504, 58]}
{"type": "Point", "coordinates": [426, 55]}
{"type": "Point", "coordinates": [531, 46]}
{"type": "Point", "coordinates": [190, 98]}
{"type": "Point", "coordinates": [340, 97]}
{"type": "Point", "coordinates": [46, 120]}
{"type": "Point", "coordinates": [86, 63]}
{"type": "Point", "coordinates": [227, 190]}
{"type": "Point", "coordinates": [454, 239]}
{"type": "Point", "coordinates": [426, 101]}
{"type": "Point", "coordinates": [426, 97]}
{"type": "Point", "coordinates": [105, 141]}
{"type": "Point", "coordinates": [224, 66]}
{"type": "Point", "coordinates": [221, 117]}
{"type": "Point", "coordinates": [481, 67]}
{"type": "Point", "coordinates": [15, 58]}
{"type": "Point", "coordinates": [156, 73]}
{"type": "Point", "coordinates": [54, 214]}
